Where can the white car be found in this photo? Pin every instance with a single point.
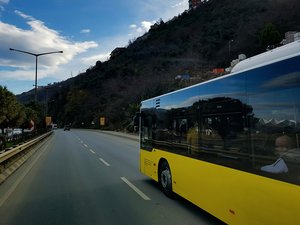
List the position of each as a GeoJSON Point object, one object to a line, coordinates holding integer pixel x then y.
{"type": "Point", "coordinates": [17, 131]}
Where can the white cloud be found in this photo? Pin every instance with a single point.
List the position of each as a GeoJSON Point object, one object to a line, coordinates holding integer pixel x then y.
{"type": "Point", "coordinates": [85, 31]}
{"type": "Point", "coordinates": [23, 15]}
{"type": "Point", "coordinates": [142, 28]}
{"type": "Point", "coordinates": [156, 9]}
{"type": "Point", "coordinates": [2, 9]}
{"type": "Point", "coordinates": [146, 24]}
{"type": "Point", "coordinates": [91, 60]}
{"type": "Point", "coordinates": [37, 39]}
{"type": "Point", "coordinates": [162, 9]}
{"type": "Point", "coordinates": [179, 4]}
{"type": "Point", "coordinates": [4, 1]}
{"type": "Point", "coordinates": [77, 56]}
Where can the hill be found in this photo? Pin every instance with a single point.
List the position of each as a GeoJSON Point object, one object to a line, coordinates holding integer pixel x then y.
{"type": "Point", "coordinates": [192, 43]}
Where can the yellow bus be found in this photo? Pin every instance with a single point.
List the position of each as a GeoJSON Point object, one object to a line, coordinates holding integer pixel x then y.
{"type": "Point", "coordinates": [231, 145]}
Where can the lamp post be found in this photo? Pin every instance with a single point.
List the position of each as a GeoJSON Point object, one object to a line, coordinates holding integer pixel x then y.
{"type": "Point", "coordinates": [36, 62]}
{"type": "Point", "coordinates": [229, 50]}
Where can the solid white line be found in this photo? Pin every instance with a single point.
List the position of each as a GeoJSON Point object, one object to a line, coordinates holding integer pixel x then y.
{"type": "Point", "coordinates": [92, 151]}
{"type": "Point", "coordinates": [104, 162]}
{"type": "Point", "coordinates": [138, 191]}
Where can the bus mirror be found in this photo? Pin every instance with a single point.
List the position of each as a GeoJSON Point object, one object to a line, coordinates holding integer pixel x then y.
{"type": "Point", "coordinates": [136, 119]}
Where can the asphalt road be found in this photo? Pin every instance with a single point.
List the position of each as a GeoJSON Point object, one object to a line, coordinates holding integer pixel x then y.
{"type": "Point", "coordinates": [89, 178]}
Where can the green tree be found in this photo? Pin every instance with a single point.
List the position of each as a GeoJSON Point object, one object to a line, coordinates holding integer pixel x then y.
{"type": "Point", "coordinates": [11, 114]}
{"type": "Point", "coordinates": [30, 114]}
{"type": "Point", "coordinates": [269, 36]}
{"type": "Point", "coordinates": [74, 112]}
{"type": "Point", "coordinates": [34, 111]}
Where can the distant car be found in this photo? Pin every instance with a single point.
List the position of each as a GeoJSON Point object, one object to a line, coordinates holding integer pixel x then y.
{"type": "Point", "coordinates": [28, 130]}
{"type": "Point", "coordinates": [17, 131]}
{"type": "Point", "coordinates": [67, 127]}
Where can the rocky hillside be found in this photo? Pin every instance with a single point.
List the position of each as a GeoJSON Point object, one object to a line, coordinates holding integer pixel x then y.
{"type": "Point", "coordinates": [193, 43]}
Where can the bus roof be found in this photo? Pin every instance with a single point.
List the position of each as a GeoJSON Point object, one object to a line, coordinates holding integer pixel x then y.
{"type": "Point", "coordinates": [269, 57]}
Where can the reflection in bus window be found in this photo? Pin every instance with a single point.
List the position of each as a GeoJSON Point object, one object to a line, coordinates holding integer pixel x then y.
{"type": "Point", "coordinates": [275, 133]}
{"type": "Point", "coordinates": [222, 134]}
{"type": "Point", "coordinates": [236, 128]}
{"type": "Point", "coordinates": [283, 144]}
{"type": "Point", "coordinates": [146, 132]}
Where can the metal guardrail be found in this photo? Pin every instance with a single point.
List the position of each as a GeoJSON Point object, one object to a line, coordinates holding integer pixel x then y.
{"type": "Point", "coordinates": [12, 152]}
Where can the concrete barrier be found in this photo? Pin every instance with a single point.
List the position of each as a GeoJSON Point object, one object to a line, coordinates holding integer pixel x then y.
{"type": "Point", "coordinates": [10, 160]}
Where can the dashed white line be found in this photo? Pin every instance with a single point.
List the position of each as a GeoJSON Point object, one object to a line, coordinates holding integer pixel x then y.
{"type": "Point", "coordinates": [92, 151]}
{"type": "Point", "coordinates": [104, 162]}
{"type": "Point", "coordinates": [138, 191]}
{"type": "Point", "coordinates": [85, 145]}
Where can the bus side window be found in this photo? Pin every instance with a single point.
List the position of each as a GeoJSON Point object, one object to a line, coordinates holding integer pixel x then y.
{"type": "Point", "coordinates": [223, 132]}
{"type": "Point", "coordinates": [146, 132]}
{"type": "Point", "coordinates": [276, 127]}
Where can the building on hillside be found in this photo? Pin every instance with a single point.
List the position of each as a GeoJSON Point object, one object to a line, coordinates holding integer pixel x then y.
{"type": "Point", "coordinates": [290, 36]}
{"type": "Point", "coordinates": [240, 58]}
{"type": "Point", "coordinates": [183, 77]}
{"type": "Point", "coordinates": [218, 71]}
{"type": "Point", "coordinates": [195, 3]}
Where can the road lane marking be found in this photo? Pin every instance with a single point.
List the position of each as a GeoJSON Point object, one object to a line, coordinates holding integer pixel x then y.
{"type": "Point", "coordinates": [92, 151]}
{"type": "Point", "coordinates": [104, 162]}
{"type": "Point", "coordinates": [138, 191]}
{"type": "Point", "coordinates": [85, 145]}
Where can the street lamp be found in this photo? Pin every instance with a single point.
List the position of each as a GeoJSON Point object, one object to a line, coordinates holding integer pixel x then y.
{"type": "Point", "coordinates": [36, 61]}
{"type": "Point", "coordinates": [229, 49]}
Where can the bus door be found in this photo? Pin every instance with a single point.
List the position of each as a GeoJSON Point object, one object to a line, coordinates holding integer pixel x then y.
{"type": "Point", "coordinates": [147, 130]}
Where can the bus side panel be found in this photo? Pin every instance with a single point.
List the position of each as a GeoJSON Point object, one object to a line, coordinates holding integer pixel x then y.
{"type": "Point", "coordinates": [148, 164]}
{"type": "Point", "coordinates": [234, 196]}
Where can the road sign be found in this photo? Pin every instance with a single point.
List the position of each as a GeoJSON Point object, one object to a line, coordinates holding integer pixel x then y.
{"type": "Point", "coordinates": [102, 121]}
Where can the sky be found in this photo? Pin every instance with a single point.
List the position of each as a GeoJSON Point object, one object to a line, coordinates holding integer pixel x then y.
{"type": "Point", "coordinates": [85, 30]}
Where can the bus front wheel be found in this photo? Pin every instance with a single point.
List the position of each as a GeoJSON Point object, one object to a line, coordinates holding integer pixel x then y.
{"type": "Point", "coordinates": [166, 179]}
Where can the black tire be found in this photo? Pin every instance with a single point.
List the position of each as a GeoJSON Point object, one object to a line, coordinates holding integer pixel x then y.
{"type": "Point", "coordinates": [165, 179]}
